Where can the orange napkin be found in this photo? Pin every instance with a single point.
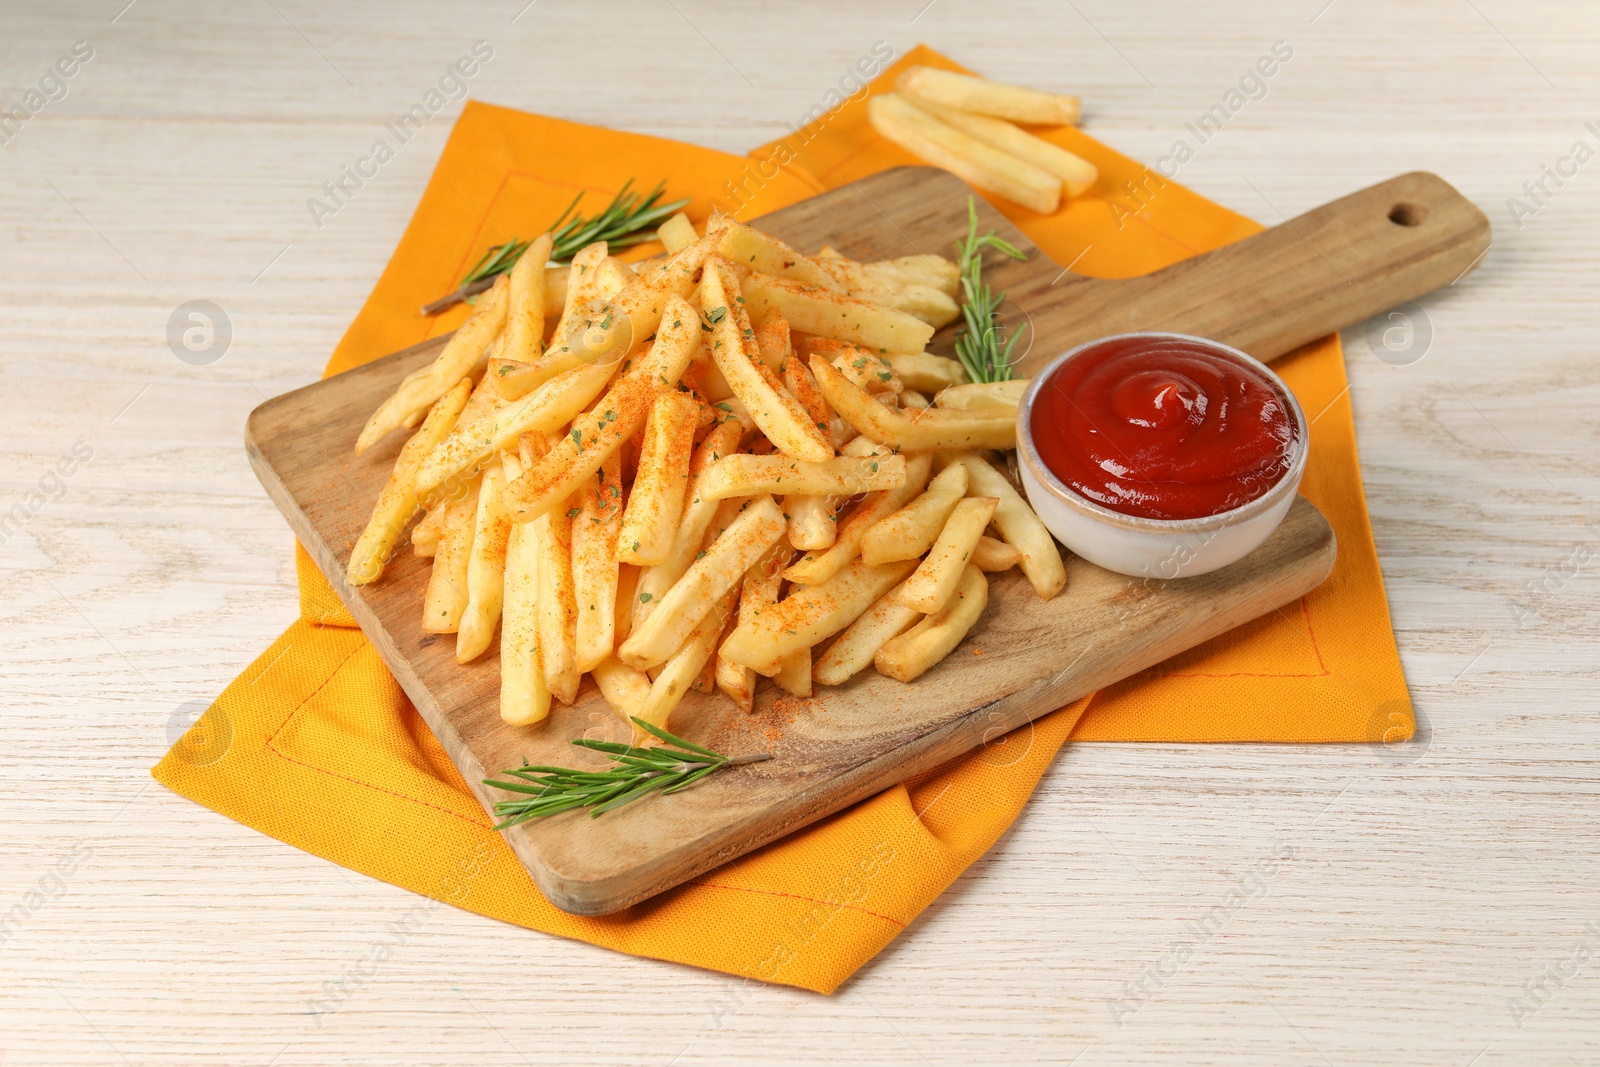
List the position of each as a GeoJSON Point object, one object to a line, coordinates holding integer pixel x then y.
{"type": "Point", "coordinates": [316, 744]}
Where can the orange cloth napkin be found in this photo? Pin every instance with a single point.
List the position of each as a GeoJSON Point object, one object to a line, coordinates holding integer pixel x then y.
{"type": "Point", "coordinates": [316, 744]}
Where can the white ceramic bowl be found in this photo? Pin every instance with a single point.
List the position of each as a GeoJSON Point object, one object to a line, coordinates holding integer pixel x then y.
{"type": "Point", "coordinates": [1155, 548]}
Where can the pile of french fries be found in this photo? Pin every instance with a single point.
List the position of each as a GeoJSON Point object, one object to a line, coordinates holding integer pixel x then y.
{"type": "Point", "coordinates": [968, 126]}
{"type": "Point", "coordinates": [695, 471]}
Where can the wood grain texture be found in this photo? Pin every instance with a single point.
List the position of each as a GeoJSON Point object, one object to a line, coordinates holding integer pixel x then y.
{"type": "Point", "coordinates": [1429, 884]}
{"type": "Point", "coordinates": [845, 744]}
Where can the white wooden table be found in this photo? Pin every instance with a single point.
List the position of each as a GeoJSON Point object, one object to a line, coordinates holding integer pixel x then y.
{"type": "Point", "coordinates": [1430, 892]}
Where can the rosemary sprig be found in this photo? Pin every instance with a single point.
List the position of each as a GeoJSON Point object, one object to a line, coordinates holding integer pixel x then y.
{"type": "Point", "coordinates": [638, 773]}
{"type": "Point", "coordinates": [629, 219]}
{"type": "Point", "coordinates": [979, 348]}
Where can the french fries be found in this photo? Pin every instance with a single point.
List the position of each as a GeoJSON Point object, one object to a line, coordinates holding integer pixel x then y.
{"type": "Point", "coordinates": [973, 161]}
{"type": "Point", "coordinates": [931, 640]}
{"type": "Point", "coordinates": [1076, 173]}
{"type": "Point", "coordinates": [397, 503]}
{"type": "Point", "coordinates": [927, 430]}
{"type": "Point", "coordinates": [911, 531]}
{"type": "Point", "coordinates": [602, 450]}
{"type": "Point", "coordinates": [656, 500]}
{"type": "Point", "coordinates": [934, 582]}
{"type": "Point", "coordinates": [984, 97]}
{"type": "Point", "coordinates": [1021, 528]}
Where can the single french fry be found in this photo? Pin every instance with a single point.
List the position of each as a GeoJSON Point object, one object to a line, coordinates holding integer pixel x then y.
{"type": "Point", "coordinates": [926, 372]}
{"type": "Point", "coordinates": [625, 689]}
{"type": "Point", "coordinates": [677, 233]}
{"type": "Point", "coordinates": [655, 501]}
{"type": "Point", "coordinates": [813, 520]}
{"type": "Point", "coordinates": [593, 438]}
{"type": "Point", "coordinates": [757, 593]}
{"type": "Point", "coordinates": [794, 673]}
{"type": "Point", "coordinates": [545, 410]}
{"type": "Point", "coordinates": [677, 342]}
{"type": "Point", "coordinates": [910, 398]}
{"type": "Point", "coordinates": [397, 502]}
{"type": "Point", "coordinates": [594, 563]}
{"type": "Point", "coordinates": [750, 247]}
{"type": "Point", "coordinates": [803, 387]}
{"type": "Point", "coordinates": [746, 475]}
{"type": "Point", "coordinates": [1041, 560]}
{"type": "Point", "coordinates": [460, 355]}
{"type": "Point", "coordinates": [934, 582]}
{"type": "Point", "coordinates": [852, 653]}
{"type": "Point", "coordinates": [779, 415]}
{"type": "Point", "coordinates": [486, 568]}
{"type": "Point", "coordinates": [524, 336]}
{"type": "Point", "coordinates": [984, 397]}
{"type": "Point", "coordinates": [993, 555]}
{"type": "Point", "coordinates": [446, 597]}
{"type": "Point", "coordinates": [425, 534]}
{"type": "Point", "coordinates": [772, 339]}
{"type": "Point", "coordinates": [681, 671]}
{"type": "Point", "coordinates": [985, 97]}
{"type": "Point", "coordinates": [810, 614]}
{"type": "Point", "coordinates": [1076, 173]}
{"type": "Point", "coordinates": [973, 161]}
{"type": "Point", "coordinates": [828, 313]}
{"type": "Point", "coordinates": [912, 530]}
{"type": "Point", "coordinates": [926, 269]}
{"type": "Point", "coordinates": [524, 696]}
{"type": "Point", "coordinates": [746, 540]}
{"type": "Point", "coordinates": [582, 288]}
{"type": "Point", "coordinates": [814, 568]}
{"type": "Point", "coordinates": [627, 586]}
{"type": "Point", "coordinates": [558, 613]}
{"type": "Point", "coordinates": [697, 522]}
{"type": "Point", "coordinates": [927, 430]}
{"type": "Point", "coordinates": [931, 640]}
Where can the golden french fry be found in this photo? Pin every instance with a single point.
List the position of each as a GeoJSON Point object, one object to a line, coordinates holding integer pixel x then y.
{"type": "Point", "coordinates": [794, 673]}
{"type": "Point", "coordinates": [973, 161]}
{"type": "Point", "coordinates": [677, 233]}
{"type": "Point", "coordinates": [757, 593]}
{"type": "Point", "coordinates": [934, 582]}
{"type": "Point", "coordinates": [852, 653]}
{"type": "Point", "coordinates": [925, 269]}
{"type": "Point", "coordinates": [733, 349]}
{"type": "Point", "coordinates": [524, 336]}
{"type": "Point", "coordinates": [984, 397]}
{"type": "Point", "coordinates": [813, 520]}
{"type": "Point", "coordinates": [1076, 173]}
{"type": "Point", "coordinates": [750, 247]}
{"type": "Point", "coordinates": [985, 97]}
{"type": "Point", "coordinates": [655, 502]}
{"type": "Point", "coordinates": [545, 410]}
{"type": "Point", "coordinates": [803, 387]}
{"type": "Point", "coordinates": [524, 696]}
{"type": "Point", "coordinates": [486, 568]}
{"type": "Point", "coordinates": [627, 584]}
{"type": "Point", "coordinates": [593, 438]}
{"type": "Point", "coordinates": [677, 343]}
{"type": "Point", "coordinates": [698, 520]}
{"type": "Point", "coordinates": [594, 563]}
{"type": "Point", "coordinates": [558, 612]}
{"type": "Point", "coordinates": [746, 475]}
{"type": "Point", "coordinates": [931, 640]}
{"type": "Point", "coordinates": [1041, 561]}
{"type": "Point", "coordinates": [461, 353]}
{"type": "Point", "coordinates": [910, 398]}
{"type": "Point", "coordinates": [446, 597]}
{"type": "Point", "coordinates": [994, 555]}
{"type": "Point", "coordinates": [625, 689]}
{"type": "Point", "coordinates": [583, 277]}
{"type": "Point", "coordinates": [397, 502]}
{"type": "Point", "coordinates": [932, 306]}
{"type": "Point", "coordinates": [912, 530]}
{"type": "Point", "coordinates": [681, 671]}
{"type": "Point", "coordinates": [926, 372]}
{"type": "Point", "coordinates": [809, 615]}
{"type": "Point", "coordinates": [746, 540]}
{"type": "Point", "coordinates": [828, 313]}
{"type": "Point", "coordinates": [772, 339]}
{"type": "Point", "coordinates": [425, 534]}
{"type": "Point", "coordinates": [927, 430]}
{"type": "Point", "coordinates": [814, 568]}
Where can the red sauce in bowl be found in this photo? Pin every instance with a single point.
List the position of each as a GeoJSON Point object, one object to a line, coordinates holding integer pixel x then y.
{"type": "Point", "coordinates": [1163, 427]}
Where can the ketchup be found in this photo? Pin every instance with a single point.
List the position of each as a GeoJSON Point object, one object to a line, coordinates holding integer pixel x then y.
{"type": "Point", "coordinates": [1163, 428]}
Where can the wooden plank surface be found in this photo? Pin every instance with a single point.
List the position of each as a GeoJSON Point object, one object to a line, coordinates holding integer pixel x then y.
{"type": "Point", "coordinates": [845, 743]}
{"type": "Point", "coordinates": [1427, 887]}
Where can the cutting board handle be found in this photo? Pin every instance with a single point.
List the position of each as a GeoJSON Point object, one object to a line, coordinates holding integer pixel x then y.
{"type": "Point", "coordinates": [1268, 294]}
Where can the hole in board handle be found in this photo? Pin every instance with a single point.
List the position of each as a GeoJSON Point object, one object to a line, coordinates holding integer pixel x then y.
{"type": "Point", "coordinates": [1407, 214]}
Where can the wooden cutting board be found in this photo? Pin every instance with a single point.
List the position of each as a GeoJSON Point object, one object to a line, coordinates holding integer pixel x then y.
{"type": "Point", "coordinates": [1268, 294]}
